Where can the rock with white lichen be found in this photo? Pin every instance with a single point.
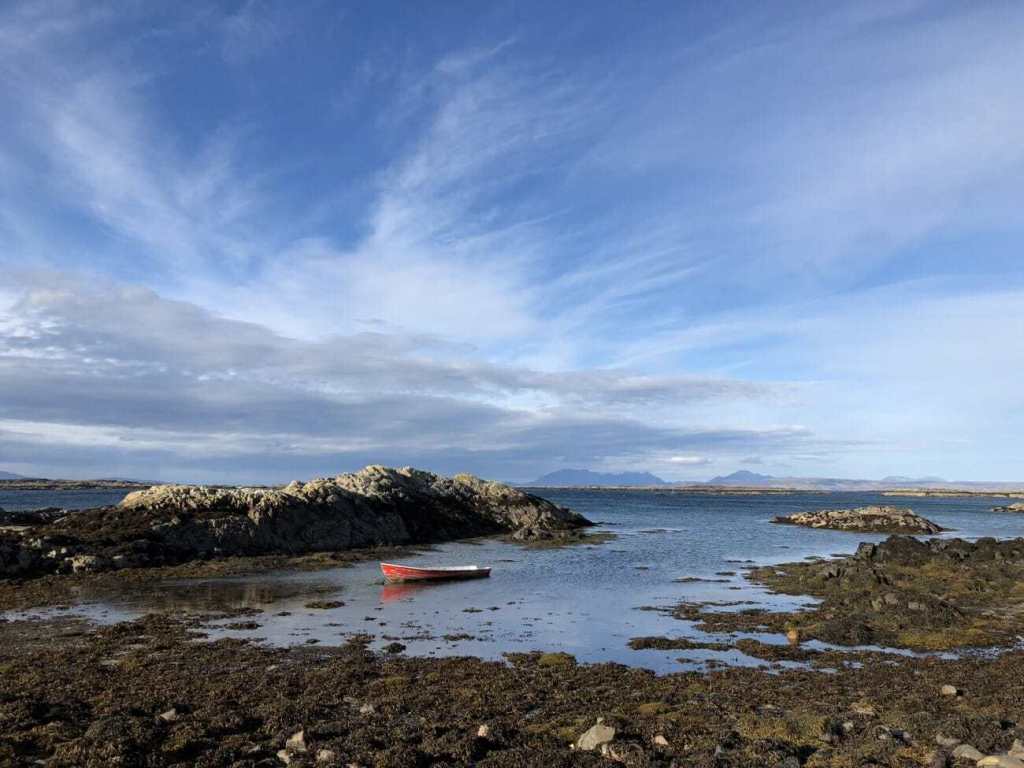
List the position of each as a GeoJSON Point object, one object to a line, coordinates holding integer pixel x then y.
{"type": "Point", "coordinates": [377, 506]}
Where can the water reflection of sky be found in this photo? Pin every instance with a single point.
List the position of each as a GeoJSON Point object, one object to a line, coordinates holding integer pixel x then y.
{"type": "Point", "coordinates": [584, 600]}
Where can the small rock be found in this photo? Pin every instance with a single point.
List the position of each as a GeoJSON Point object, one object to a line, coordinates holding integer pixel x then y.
{"type": "Point", "coordinates": [483, 732]}
{"type": "Point", "coordinates": [946, 741]}
{"type": "Point", "coordinates": [326, 756]}
{"type": "Point", "coordinates": [864, 709]}
{"type": "Point", "coordinates": [595, 737]}
{"type": "Point", "coordinates": [967, 752]}
{"type": "Point", "coordinates": [284, 757]}
{"type": "Point", "coordinates": [623, 752]}
{"type": "Point", "coordinates": [170, 716]}
{"type": "Point", "coordinates": [949, 690]}
{"type": "Point", "coordinates": [367, 709]}
{"type": "Point", "coordinates": [296, 742]}
{"type": "Point", "coordinates": [660, 741]}
{"type": "Point", "coordinates": [1000, 761]}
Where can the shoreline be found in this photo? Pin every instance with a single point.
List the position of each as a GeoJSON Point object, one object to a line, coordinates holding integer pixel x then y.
{"type": "Point", "coordinates": [147, 689]}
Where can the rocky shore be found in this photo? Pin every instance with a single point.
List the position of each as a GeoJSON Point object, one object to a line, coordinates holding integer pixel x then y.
{"type": "Point", "coordinates": [377, 506]}
{"type": "Point", "coordinates": [934, 595]}
{"type": "Point", "coordinates": [147, 693]}
{"type": "Point", "coordinates": [872, 519]}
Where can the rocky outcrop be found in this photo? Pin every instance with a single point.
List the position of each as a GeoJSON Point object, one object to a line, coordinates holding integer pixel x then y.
{"type": "Point", "coordinates": [1016, 507]}
{"type": "Point", "coordinates": [376, 506]}
{"type": "Point", "coordinates": [31, 516]}
{"type": "Point", "coordinates": [873, 519]}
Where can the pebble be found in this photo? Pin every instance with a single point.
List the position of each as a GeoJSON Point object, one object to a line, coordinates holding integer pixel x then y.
{"type": "Point", "coordinates": [367, 709]}
{"type": "Point", "coordinates": [284, 757]}
{"type": "Point", "coordinates": [660, 741]}
{"type": "Point", "coordinates": [949, 690]}
{"type": "Point", "coordinates": [170, 716]}
{"type": "Point", "coordinates": [326, 756]}
{"type": "Point", "coordinates": [483, 732]}
{"type": "Point", "coordinates": [945, 741]}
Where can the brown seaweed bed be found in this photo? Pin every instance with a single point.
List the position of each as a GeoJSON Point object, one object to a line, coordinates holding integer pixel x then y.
{"type": "Point", "coordinates": [145, 693]}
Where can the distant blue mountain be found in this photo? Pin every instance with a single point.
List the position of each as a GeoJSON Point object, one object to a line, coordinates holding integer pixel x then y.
{"type": "Point", "coordinates": [742, 477]}
{"type": "Point", "coordinates": [576, 477]}
{"type": "Point", "coordinates": [10, 476]}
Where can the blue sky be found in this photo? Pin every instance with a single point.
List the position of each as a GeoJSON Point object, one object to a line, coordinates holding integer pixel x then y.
{"type": "Point", "coordinates": [247, 242]}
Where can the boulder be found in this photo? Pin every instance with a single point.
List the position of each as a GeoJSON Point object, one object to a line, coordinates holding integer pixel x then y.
{"type": "Point", "coordinates": [1000, 761]}
{"type": "Point", "coordinates": [967, 752]}
{"type": "Point", "coordinates": [296, 742]}
{"type": "Point", "coordinates": [595, 737]}
{"type": "Point", "coordinates": [871, 519]}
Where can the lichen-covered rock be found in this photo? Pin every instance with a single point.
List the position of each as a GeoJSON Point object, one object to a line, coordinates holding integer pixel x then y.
{"type": "Point", "coordinates": [872, 519]}
{"type": "Point", "coordinates": [376, 506]}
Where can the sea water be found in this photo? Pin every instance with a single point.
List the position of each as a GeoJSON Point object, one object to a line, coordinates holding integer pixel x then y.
{"type": "Point", "coordinates": [587, 600]}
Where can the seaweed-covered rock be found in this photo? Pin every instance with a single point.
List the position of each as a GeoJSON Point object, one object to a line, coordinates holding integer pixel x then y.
{"type": "Point", "coordinates": [373, 507]}
{"type": "Point", "coordinates": [876, 519]}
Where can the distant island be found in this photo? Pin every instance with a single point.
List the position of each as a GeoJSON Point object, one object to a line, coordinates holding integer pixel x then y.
{"type": "Point", "coordinates": [584, 477]}
{"type": "Point", "coordinates": [9, 482]}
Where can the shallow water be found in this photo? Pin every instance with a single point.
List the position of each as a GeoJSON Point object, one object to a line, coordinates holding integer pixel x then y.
{"type": "Point", "coordinates": [585, 600]}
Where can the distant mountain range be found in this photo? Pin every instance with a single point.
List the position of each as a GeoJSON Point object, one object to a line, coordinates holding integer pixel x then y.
{"type": "Point", "coordinates": [10, 476]}
{"type": "Point", "coordinates": [747, 479]}
{"type": "Point", "coordinates": [583, 477]}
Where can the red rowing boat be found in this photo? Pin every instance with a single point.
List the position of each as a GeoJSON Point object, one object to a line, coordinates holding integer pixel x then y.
{"type": "Point", "coordinates": [394, 574]}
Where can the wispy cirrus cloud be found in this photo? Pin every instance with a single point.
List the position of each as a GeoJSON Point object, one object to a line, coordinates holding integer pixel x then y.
{"type": "Point", "coordinates": [731, 235]}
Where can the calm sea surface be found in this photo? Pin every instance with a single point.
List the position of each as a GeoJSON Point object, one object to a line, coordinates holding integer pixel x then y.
{"type": "Point", "coordinates": [586, 600]}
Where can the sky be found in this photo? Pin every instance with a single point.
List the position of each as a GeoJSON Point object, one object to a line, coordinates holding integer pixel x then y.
{"type": "Point", "coordinates": [255, 241]}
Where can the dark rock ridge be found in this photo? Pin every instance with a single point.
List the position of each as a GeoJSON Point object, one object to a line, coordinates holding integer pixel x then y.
{"type": "Point", "coordinates": [872, 519]}
{"type": "Point", "coordinates": [376, 506]}
{"type": "Point", "coordinates": [31, 516]}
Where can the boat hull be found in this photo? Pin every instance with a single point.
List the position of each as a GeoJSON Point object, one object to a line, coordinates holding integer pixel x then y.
{"type": "Point", "coordinates": [400, 574]}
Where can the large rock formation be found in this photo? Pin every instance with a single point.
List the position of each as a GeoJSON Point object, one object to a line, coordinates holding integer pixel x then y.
{"type": "Point", "coordinates": [373, 507]}
{"type": "Point", "coordinates": [872, 519]}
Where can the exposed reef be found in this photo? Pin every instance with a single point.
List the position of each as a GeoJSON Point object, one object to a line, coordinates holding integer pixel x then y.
{"type": "Point", "coordinates": [377, 506]}
{"type": "Point", "coordinates": [872, 519]}
{"type": "Point", "coordinates": [1017, 507]}
{"type": "Point", "coordinates": [930, 595]}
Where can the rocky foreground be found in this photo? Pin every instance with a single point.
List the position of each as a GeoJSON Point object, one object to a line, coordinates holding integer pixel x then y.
{"type": "Point", "coordinates": [146, 694]}
{"type": "Point", "coordinates": [871, 519]}
{"type": "Point", "coordinates": [377, 506]}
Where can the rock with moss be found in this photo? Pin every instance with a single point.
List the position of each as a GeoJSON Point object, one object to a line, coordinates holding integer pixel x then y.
{"type": "Point", "coordinates": [871, 519]}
